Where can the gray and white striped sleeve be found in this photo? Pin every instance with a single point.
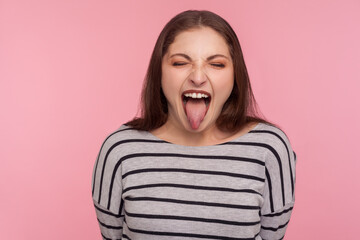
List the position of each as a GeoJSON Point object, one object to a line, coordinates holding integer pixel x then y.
{"type": "Point", "coordinates": [279, 189]}
{"type": "Point", "coordinates": [110, 223]}
{"type": "Point", "coordinates": [110, 217]}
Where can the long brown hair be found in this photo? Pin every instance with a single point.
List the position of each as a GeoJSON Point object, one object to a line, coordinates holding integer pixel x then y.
{"type": "Point", "coordinates": [239, 109]}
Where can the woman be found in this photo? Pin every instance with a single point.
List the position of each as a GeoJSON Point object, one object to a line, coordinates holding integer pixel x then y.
{"type": "Point", "coordinates": [199, 163]}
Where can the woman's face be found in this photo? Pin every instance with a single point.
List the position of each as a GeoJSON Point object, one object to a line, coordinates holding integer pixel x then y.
{"type": "Point", "coordinates": [197, 78]}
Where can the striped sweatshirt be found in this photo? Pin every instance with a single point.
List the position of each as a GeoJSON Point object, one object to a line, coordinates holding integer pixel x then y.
{"type": "Point", "coordinates": [146, 188]}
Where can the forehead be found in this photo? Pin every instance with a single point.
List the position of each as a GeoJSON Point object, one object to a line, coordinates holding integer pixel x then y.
{"type": "Point", "coordinates": [202, 40]}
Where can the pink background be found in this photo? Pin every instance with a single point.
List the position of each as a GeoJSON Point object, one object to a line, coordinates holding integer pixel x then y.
{"type": "Point", "coordinates": [71, 72]}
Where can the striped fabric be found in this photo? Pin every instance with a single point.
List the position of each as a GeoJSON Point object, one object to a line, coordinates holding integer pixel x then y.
{"type": "Point", "coordinates": [146, 188]}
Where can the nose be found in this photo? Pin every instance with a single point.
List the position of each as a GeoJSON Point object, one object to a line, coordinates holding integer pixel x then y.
{"type": "Point", "coordinates": [198, 77]}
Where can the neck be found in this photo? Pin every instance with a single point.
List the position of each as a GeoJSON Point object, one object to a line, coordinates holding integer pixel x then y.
{"type": "Point", "coordinates": [177, 135]}
{"type": "Point", "coordinates": [211, 136]}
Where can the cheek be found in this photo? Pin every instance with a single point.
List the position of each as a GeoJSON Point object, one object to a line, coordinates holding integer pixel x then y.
{"type": "Point", "coordinates": [225, 86]}
{"type": "Point", "coordinates": [165, 88]}
{"type": "Point", "coordinates": [171, 82]}
{"type": "Point", "coordinates": [170, 88]}
{"type": "Point", "coordinates": [165, 83]}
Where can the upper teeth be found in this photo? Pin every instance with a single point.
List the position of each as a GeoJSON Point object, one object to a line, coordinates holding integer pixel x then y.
{"type": "Point", "coordinates": [196, 95]}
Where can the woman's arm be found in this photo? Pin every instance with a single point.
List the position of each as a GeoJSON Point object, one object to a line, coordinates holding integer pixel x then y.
{"type": "Point", "coordinates": [279, 189]}
{"type": "Point", "coordinates": [110, 223]}
{"type": "Point", "coordinates": [107, 189]}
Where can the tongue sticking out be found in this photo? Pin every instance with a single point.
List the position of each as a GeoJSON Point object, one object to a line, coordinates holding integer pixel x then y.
{"type": "Point", "coordinates": [195, 111]}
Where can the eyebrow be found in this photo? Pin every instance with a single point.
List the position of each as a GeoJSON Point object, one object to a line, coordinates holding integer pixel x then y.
{"type": "Point", "coordinates": [189, 58]}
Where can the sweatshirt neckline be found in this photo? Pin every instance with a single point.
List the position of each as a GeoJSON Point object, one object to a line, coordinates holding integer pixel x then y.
{"type": "Point", "coordinates": [206, 146]}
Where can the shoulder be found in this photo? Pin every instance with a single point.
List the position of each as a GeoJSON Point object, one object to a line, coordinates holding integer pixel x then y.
{"type": "Point", "coordinates": [127, 140]}
{"type": "Point", "coordinates": [270, 134]}
{"type": "Point", "coordinates": [116, 145]}
{"type": "Point", "coordinates": [112, 145]}
{"type": "Point", "coordinates": [122, 135]}
{"type": "Point", "coordinates": [122, 132]}
{"type": "Point", "coordinates": [280, 164]}
{"type": "Point", "coordinates": [274, 139]}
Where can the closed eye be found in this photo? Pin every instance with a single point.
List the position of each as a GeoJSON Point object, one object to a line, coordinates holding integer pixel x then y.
{"type": "Point", "coordinates": [179, 63]}
{"type": "Point", "coordinates": [218, 65]}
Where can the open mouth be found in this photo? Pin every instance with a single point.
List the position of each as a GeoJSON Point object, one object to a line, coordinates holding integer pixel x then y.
{"type": "Point", "coordinates": [196, 104]}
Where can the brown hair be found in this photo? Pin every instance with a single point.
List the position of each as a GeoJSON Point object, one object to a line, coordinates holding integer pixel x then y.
{"type": "Point", "coordinates": [239, 109]}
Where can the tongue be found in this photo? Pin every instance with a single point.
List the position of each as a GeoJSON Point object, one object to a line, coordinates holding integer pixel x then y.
{"type": "Point", "coordinates": [195, 111]}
